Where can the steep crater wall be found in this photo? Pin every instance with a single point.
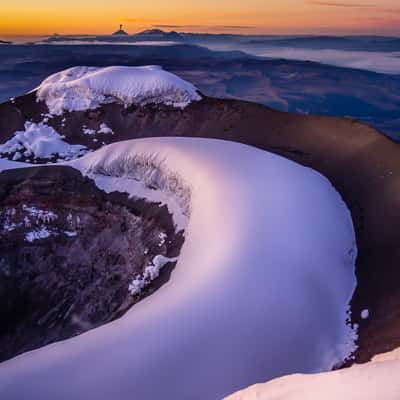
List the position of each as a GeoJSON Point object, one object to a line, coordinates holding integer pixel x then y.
{"type": "Point", "coordinates": [68, 252]}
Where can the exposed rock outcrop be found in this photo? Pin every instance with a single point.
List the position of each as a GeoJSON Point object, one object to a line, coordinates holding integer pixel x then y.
{"type": "Point", "coordinates": [68, 252]}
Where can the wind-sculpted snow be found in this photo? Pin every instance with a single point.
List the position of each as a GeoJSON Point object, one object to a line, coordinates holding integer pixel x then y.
{"type": "Point", "coordinates": [83, 88]}
{"type": "Point", "coordinates": [146, 176]}
{"type": "Point", "coordinates": [260, 290]}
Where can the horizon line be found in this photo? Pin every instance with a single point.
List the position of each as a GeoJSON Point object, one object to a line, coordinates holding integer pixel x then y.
{"type": "Point", "coordinates": [355, 34]}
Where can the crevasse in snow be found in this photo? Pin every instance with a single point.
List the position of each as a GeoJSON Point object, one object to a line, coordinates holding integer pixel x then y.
{"type": "Point", "coordinates": [83, 88]}
{"type": "Point", "coordinates": [261, 288]}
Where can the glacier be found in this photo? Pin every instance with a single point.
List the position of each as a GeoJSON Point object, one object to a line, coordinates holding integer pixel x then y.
{"type": "Point", "coordinates": [261, 288]}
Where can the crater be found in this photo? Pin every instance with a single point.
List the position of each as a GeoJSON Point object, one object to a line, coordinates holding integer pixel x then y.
{"type": "Point", "coordinates": [69, 253]}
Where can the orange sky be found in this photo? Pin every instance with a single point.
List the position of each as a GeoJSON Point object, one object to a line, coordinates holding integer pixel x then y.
{"type": "Point", "coordinates": [43, 17]}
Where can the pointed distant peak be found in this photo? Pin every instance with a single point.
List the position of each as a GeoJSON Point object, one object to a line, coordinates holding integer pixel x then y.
{"type": "Point", "coordinates": [120, 31]}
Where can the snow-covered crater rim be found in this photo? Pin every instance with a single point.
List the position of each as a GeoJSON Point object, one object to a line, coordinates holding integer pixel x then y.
{"type": "Point", "coordinates": [265, 227]}
{"type": "Point", "coordinates": [143, 175]}
{"type": "Point", "coordinates": [82, 88]}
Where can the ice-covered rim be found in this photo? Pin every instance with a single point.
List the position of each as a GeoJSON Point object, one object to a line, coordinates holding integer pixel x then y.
{"type": "Point", "coordinates": [261, 288]}
{"type": "Point", "coordinates": [143, 176]}
{"type": "Point", "coordinates": [82, 88]}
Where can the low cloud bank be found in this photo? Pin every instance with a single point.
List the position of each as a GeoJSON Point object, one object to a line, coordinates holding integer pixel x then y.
{"type": "Point", "coordinates": [382, 62]}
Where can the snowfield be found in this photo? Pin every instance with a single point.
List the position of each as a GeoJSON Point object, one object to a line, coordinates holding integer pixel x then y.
{"type": "Point", "coordinates": [376, 380]}
{"type": "Point", "coordinates": [261, 288]}
{"type": "Point", "coordinates": [83, 88]}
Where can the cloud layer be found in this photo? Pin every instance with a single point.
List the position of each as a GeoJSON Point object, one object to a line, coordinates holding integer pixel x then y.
{"type": "Point", "coordinates": [382, 62]}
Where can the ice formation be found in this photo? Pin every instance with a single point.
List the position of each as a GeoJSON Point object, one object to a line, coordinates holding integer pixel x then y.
{"type": "Point", "coordinates": [261, 288]}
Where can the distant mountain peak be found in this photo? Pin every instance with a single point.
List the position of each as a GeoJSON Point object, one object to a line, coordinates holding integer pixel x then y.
{"type": "Point", "coordinates": [120, 31]}
{"type": "Point", "coordinates": [159, 33]}
{"type": "Point", "coordinates": [152, 32]}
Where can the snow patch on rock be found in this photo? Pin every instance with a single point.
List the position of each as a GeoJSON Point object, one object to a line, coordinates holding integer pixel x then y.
{"type": "Point", "coordinates": [365, 314]}
{"type": "Point", "coordinates": [163, 237]}
{"type": "Point", "coordinates": [88, 131]}
{"type": "Point", "coordinates": [7, 215]}
{"type": "Point", "coordinates": [33, 222]}
{"type": "Point", "coordinates": [37, 234]}
{"type": "Point", "coordinates": [150, 273]}
{"type": "Point", "coordinates": [83, 88]}
{"type": "Point", "coordinates": [105, 129]}
{"type": "Point", "coordinates": [45, 216]}
{"type": "Point", "coordinates": [40, 141]}
{"type": "Point", "coordinates": [71, 233]}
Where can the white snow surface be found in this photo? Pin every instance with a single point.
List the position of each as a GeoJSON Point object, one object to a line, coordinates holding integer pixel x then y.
{"type": "Point", "coordinates": [40, 141]}
{"type": "Point", "coordinates": [365, 314]}
{"type": "Point", "coordinates": [393, 355]}
{"type": "Point", "coordinates": [7, 164]}
{"type": "Point", "coordinates": [260, 290]}
{"type": "Point", "coordinates": [105, 129]}
{"type": "Point", "coordinates": [37, 234]}
{"type": "Point", "coordinates": [376, 380]}
{"type": "Point", "coordinates": [83, 88]}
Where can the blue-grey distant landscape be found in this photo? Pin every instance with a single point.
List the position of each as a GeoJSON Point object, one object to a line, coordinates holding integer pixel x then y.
{"type": "Point", "coordinates": [352, 76]}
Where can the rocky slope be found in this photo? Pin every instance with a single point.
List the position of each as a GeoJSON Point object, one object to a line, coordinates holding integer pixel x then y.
{"type": "Point", "coordinates": [361, 163]}
{"type": "Point", "coordinates": [68, 253]}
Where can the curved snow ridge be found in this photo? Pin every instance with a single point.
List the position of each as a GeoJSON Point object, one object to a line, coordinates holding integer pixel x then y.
{"type": "Point", "coordinates": [83, 88]}
{"type": "Point", "coordinates": [143, 176]}
{"type": "Point", "coordinates": [261, 288]}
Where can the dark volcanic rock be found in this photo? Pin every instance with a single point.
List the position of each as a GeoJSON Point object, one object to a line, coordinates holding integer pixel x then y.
{"type": "Point", "coordinates": [68, 252]}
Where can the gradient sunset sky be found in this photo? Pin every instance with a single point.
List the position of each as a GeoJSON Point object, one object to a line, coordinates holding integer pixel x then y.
{"type": "Point", "coordinates": [43, 17]}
